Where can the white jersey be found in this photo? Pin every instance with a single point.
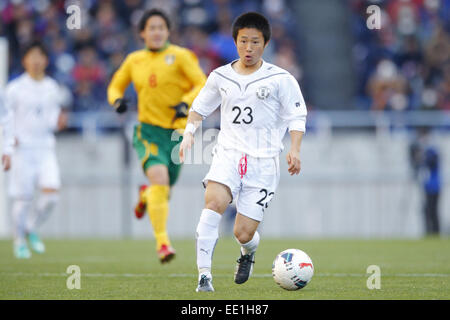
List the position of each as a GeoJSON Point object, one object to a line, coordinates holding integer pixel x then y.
{"type": "Point", "coordinates": [7, 124]}
{"type": "Point", "coordinates": [256, 109]}
{"type": "Point", "coordinates": [35, 106]}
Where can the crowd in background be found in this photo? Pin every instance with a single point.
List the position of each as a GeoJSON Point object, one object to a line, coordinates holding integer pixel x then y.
{"type": "Point", "coordinates": [403, 66]}
{"type": "Point", "coordinates": [85, 59]}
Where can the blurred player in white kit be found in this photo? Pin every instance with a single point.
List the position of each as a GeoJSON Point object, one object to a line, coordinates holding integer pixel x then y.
{"type": "Point", "coordinates": [34, 102]}
{"type": "Point", "coordinates": [259, 102]}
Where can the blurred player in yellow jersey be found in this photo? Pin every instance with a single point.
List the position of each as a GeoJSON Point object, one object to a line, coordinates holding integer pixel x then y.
{"type": "Point", "coordinates": [167, 78]}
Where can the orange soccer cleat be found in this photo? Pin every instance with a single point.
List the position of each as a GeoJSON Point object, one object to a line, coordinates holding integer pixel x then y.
{"type": "Point", "coordinates": [139, 210]}
{"type": "Point", "coordinates": [166, 253]}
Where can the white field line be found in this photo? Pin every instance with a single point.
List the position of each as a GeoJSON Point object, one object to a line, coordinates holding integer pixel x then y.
{"type": "Point", "coordinates": [189, 275]}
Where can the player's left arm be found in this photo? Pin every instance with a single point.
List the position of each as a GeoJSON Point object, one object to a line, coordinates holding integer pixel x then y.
{"type": "Point", "coordinates": [293, 111]}
{"type": "Point", "coordinates": [63, 119]}
{"type": "Point", "coordinates": [65, 101]}
{"type": "Point", "coordinates": [293, 156]}
{"type": "Point", "coordinates": [57, 117]}
{"type": "Point", "coordinates": [193, 72]}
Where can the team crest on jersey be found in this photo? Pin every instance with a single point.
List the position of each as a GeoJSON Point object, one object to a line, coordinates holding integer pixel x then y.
{"type": "Point", "coordinates": [169, 58]}
{"type": "Point", "coordinates": [263, 92]}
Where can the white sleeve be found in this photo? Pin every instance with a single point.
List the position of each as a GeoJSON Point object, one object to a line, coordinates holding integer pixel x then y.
{"type": "Point", "coordinates": [293, 107]}
{"type": "Point", "coordinates": [208, 99]}
{"type": "Point", "coordinates": [6, 121]}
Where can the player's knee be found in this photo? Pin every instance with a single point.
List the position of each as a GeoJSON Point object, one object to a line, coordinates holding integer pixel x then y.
{"type": "Point", "coordinates": [242, 235]}
{"type": "Point", "coordinates": [158, 175]}
{"type": "Point", "coordinates": [215, 205]}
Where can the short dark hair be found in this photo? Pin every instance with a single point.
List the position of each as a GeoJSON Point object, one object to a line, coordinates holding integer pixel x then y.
{"type": "Point", "coordinates": [252, 20]}
{"type": "Point", "coordinates": [35, 44]}
{"type": "Point", "coordinates": [150, 13]}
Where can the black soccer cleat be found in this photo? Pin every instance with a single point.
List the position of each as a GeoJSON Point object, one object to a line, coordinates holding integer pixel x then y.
{"type": "Point", "coordinates": [244, 268]}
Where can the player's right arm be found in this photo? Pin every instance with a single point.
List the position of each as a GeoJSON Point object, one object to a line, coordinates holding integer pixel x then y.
{"type": "Point", "coordinates": [119, 83]}
{"type": "Point", "coordinates": [193, 122]}
{"type": "Point", "coordinates": [6, 122]}
{"type": "Point", "coordinates": [204, 104]}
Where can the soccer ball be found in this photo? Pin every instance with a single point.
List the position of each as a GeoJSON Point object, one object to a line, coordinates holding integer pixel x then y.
{"type": "Point", "coordinates": [292, 269]}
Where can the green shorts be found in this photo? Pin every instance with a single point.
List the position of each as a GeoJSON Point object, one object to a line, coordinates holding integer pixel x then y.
{"type": "Point", "coordinates": [154, 145]}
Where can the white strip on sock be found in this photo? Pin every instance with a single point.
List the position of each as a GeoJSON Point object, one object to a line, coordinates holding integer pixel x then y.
{"type": "Point", "coordinates": [207, 236]}
{"type": "Point", "coordinates": [251, 246]}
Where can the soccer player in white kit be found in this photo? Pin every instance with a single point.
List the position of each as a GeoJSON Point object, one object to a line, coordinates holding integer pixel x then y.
{"type": "Point", "coordinates": [34, 101]}
{"type": "Point", "coordinates": [259, 101]}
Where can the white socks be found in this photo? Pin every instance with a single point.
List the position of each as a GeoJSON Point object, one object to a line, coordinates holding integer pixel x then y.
{"type": "Point", "coordinates": [44, 206]}
{"type": "Point", "coordinates": [25, 219]}
{"type": "Point", "coordinates": [251, 246]}
{"type": "Point", "coordinates": [207, 235]}
{"type": "Point", "coordinates": [20, 210]}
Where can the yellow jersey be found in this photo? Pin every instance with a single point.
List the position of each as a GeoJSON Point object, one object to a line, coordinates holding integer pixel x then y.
{"type": "Point", "coordinates": [161, 79]}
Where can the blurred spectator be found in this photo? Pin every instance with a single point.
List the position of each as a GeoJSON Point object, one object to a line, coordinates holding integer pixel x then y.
{"type": "Point", "coordinates": [414, 37]}
{"type": "Point", "coordinates": [432, 188]}
{"type": "Point", "coordinates": [82, 38]}
{"type": "Point", "coordinates": [90, 80]}
{"type": "Point", "coordinates": [443, 89]}
{"type": "Point", "coordinates": [425, 163]}
{"type": "Point", "coordinates": [109, 31]}
{"type": "Point", "coordinates": [222, 41]}
{"type": "Point", "coordinates": [286, 59]}
{"type": "Point", "coordinates": [126, 9]}
{"type": "Point", "coordinates": [437, 53]}
{"type": "Point", "coordinates": [63, 61]}
{"type": "Point", "coordinates": [198, 41]}
{"type": "Point", "coordinates": [387, 88]}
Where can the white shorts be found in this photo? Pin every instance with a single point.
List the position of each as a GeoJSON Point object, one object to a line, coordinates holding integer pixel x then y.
{"type": "Point", "coordinates": [31, 168]}
{"type": "Point", "coordinates": [252, 181]}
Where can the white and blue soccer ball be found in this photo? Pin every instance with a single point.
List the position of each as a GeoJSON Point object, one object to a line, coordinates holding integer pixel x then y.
{"type": "Point", "coordinates": [292, 269]}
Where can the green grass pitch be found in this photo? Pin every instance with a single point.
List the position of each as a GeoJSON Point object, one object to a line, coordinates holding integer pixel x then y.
{"type": "Point", "coordinates": [129, 269]}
